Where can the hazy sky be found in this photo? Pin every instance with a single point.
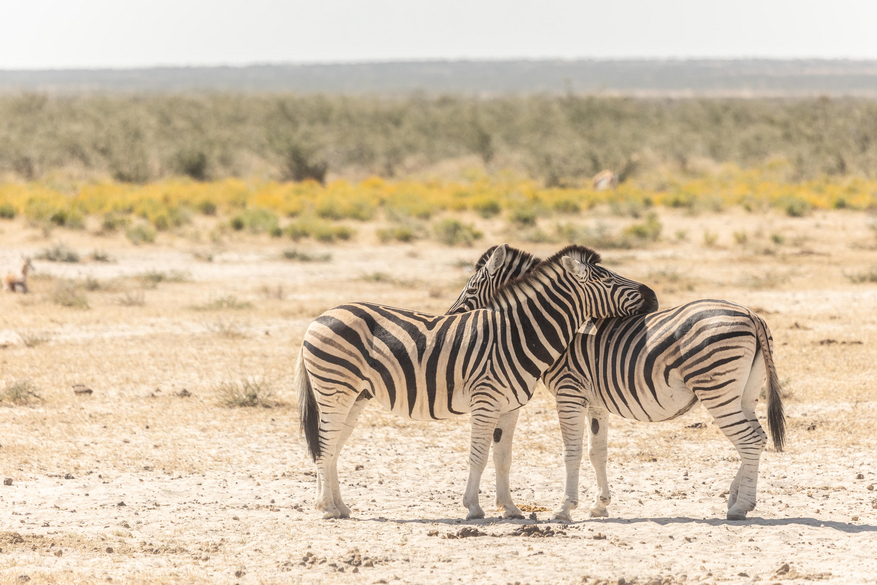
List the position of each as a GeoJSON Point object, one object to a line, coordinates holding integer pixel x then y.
{"type": "Point", "coordinates": [41, 34]}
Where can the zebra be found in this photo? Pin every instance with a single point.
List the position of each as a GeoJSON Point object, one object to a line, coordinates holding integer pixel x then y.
{"type": "Point", "coordinates": [426, 367]}
{"type": "Point", "coordinates": [656, 367]}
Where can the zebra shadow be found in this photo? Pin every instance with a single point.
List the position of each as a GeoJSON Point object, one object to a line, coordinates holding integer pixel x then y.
{"type": "Point", "coordinates": [489, 521]}
{"type": "Point", "coordinates": [800, 521]}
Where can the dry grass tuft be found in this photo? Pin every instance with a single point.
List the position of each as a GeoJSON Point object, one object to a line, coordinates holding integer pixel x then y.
{"type": "Point", "coordinates": [133, 298]}
{"type": "Point", "coordinates": [33, 338]}
{"type": "Point", "coordinates": [229, 329]}
{"type": "Point", "coordinates": [247, 392]}
{"type": "Point", "coordinates": [226, 302]}
{"type": "Point", "coordinates": [66, 294]}
{"type": "Point", "coordinates": [59, 253]}
{"type": "Point", "coordinates": [20, 393]}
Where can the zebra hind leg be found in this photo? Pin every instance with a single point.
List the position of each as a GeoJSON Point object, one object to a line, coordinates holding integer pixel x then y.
{"type": "Point", "coordinates": [333, 426]}
{"type": "Point", "coordinates": [739, 424]}
{"type": "Point", "coordinates": [484, 420]}
{"type": "Point", "coordinates": [346, 430]}
{"type": "Point", "coordinates": [571, 413]}
{"type": "Point", "coordinates": [502, 459]}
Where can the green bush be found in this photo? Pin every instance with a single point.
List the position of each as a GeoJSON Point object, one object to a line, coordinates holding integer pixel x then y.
{"type": "Point", "coordinates": [402, 233]}
{"type": "Point", "coordinates": [7, 211]}
{"type": "Point", "coordinates": [59, 253]}
{"type": "Point", "coordinates": [256, 221]}
{"type": "Point", "coordinates": [140, 234]}
{"type": "Point", "coordinates": [453, 232]}
{"type": "Point", "coordinates": [646, 231]}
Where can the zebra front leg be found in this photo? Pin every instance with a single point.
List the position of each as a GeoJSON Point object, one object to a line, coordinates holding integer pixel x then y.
{"type": "Point", "coordinates": [346, 430]}
{"type": "Point", "coordinates": [598, 452]}
{"type": "Point", "coordinates": [484, 421]}
{"type": "Point", "coordinates": [502, 460]}
{"type": "Point", "coordinates": [571, 414]}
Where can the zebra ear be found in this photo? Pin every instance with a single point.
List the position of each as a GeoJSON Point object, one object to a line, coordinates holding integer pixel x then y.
{"type": "Point", "coordinates": [496, 259]}
{"type": "Point", "coordinates": [573, 266]}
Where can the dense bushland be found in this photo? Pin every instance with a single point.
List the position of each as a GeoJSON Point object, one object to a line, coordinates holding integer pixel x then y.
{"type": "Point", "coordinates": [558, 140]}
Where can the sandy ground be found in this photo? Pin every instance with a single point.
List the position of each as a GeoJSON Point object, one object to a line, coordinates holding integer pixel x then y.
{"type": "Point", "coordinates": [151, 478]}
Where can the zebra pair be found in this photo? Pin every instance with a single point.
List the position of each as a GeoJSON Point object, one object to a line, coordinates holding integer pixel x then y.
{"type": "Point", "coordinates": [485, 361]}
{"type": "Point", "coordinates": [655, 367]}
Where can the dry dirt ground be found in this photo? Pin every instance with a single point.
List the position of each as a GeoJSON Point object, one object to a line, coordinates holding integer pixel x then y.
{"type": "Point", "coordinates": [151, 478]}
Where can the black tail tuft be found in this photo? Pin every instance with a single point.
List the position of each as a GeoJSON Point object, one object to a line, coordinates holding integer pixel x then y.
{"type": "Point", "coordinates": [308, 412]}
{"type": "Point", "coordinates": [776, 418]}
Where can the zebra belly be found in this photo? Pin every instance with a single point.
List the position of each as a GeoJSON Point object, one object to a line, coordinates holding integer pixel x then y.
{"type": "Point", "coordinates": [648, 402]}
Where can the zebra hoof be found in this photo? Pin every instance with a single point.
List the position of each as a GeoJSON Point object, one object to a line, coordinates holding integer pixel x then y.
{"type": "Point", "coordinates": [598, 513]}
{"type": "Point", "coordinates": [330, 514]}
{"type": "Point", "coordinates": [475, 514]}
{"type": "Point", "coordinates": [513, 513]}
{"type": "Point", "coordinates": [736, 515]}
{"type": "Point", "coordinates": [561, 516]}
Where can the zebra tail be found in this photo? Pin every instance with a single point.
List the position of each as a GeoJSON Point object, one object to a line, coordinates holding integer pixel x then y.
{"type": "Point", "coordinates": [776, 419]}
{"type": "Point", "coordinates": [308, 412]}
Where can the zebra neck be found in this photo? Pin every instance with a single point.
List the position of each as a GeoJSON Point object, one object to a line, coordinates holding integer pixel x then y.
{"type": "Point", "coordinates": [547, 311]}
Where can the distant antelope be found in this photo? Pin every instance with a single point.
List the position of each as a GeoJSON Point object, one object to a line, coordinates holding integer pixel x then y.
{"type": "Point", "coordinates": [605, 180]}
{"type": "Point", "coordinates": [13, 282]}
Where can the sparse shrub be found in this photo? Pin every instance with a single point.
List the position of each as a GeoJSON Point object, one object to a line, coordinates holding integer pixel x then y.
{"type": "Point", "coordinates": [453, 232]}
{"type": "Point", "coordinates": [226, 302]}
{"type": "Point", "coordinates": [567, 205]}
{"type": "Point", "coordinates": [256, 221]}
{"type": "Point", "coordinates": [645, 231]}
{"type": "Point", "coordinates": [33, 338]}
{"type": "Point", "coordinates": [100, 256]}
{"type": "Point", "coordinates": [766, 280]}
{"type": "Point", "coordinates": [325, 232]}
{"type": "Point", "coordinates": [681, 235]}
{"type": "Point", "coordinates": [794, 206]}
{"type": "Point", "coordinates": [228, 329]}
{"type": "Point", "coordinates": [207, 207]}
{"type": "Point", "coordinates": [710, 238]}
{"type": "Point", "coordinates": [487, 207]}
{"type": "Point", "coordinates": [65, 294]}
{"type": "Point", "coordinates": [91, 284]}
{"type": "Point", "coordinates": [248, 392]}
{"type": "Point", "coordinates": [59, 253]}
{"type": "Point", "coordinates": [741, 238]}
{"type": "Point", "coordinates": [7, 211]}
{"type": "Point", "coordinates": [777, 239]}
{"type": "Point", "coordinates": [293, 254]}
{"type": "Point", "coordinates": [524, 215]}
{"type": "Point", "coordinates": [133, 298]}
{"type": "Point", "coordinates": [151, 278]}
{"type": "Point", "coordinates": [112, 221]}
{"type": "Point", "coordinates": [69, 218]}
{"type": "Point", "coordinates": [864, 277]}
{"type": "Point", "coordinates": [140, 233]}
{"type": "Point", "coordinates": [20, 393]}
{"type": "Point", "coordinates": [402, 233]}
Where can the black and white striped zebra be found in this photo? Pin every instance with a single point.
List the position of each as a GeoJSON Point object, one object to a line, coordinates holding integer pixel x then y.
{"type": "Point", "coordinates": [427, 367]}
{"type": "Point", "coordinates": [656, 367]}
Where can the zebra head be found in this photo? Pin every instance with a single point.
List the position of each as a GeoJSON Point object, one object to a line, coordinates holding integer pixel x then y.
{"type": "Point", "coordinates": [607, 294]}
{"type": "Point", "coordinates": [496, 267]}
{"type": "Point", "coordinates": [481, 285]}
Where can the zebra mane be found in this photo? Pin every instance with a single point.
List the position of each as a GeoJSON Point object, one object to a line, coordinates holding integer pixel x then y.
{"type": "Point", "coordinates": [580, 253]}
{"type": "Point", "coordinates": [512, 254]}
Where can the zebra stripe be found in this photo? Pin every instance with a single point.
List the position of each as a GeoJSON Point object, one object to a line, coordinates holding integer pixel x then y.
{"type": "Point", "coordinates": [656, 367]}
{"type": "Point", "coordinates": [427, 367]}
